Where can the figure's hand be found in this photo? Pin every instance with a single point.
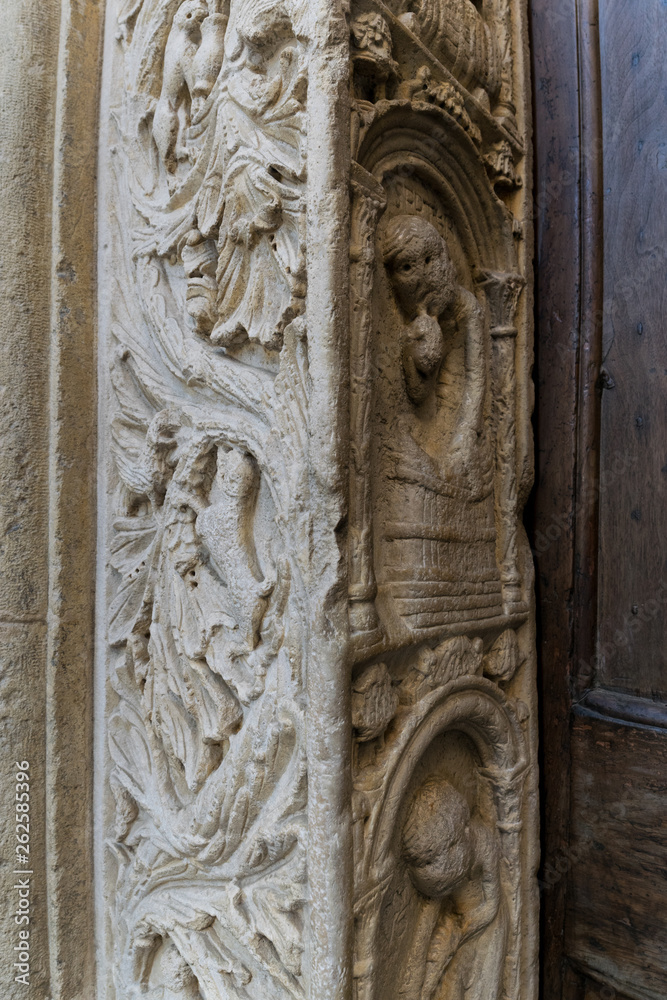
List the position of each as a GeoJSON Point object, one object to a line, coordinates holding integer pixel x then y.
{"type": "Point", "coordinates": [426, 344]}
{"type": "Point", "coordinates": [422, 356]}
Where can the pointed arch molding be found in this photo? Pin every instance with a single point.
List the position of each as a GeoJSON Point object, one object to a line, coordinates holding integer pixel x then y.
{"type": "Point", "coordinates": [294, 239]}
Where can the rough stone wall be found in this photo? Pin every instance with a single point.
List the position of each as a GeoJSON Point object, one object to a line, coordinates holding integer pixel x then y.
{"type": "Point", "coordinates": [26, 119]}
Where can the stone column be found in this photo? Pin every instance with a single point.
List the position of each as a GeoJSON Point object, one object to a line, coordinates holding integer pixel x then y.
{"type": "Point", "coordinates": [502, 292]}
{"type": "Point", "coordinates": [368, 203]}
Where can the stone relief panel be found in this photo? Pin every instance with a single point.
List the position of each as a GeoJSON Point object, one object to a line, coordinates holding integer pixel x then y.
{"type": "Point", "coordinates": [206, 370]}
{"type": "Point", "coordinates": [213, 123]}
{"type": "Point", "coordinates": [206, 388]}
{"type": "Point", "coordinates": [440, 577]}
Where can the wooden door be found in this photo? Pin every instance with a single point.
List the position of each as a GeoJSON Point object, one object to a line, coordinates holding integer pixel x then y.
{"type": "Point", "coordinates": [600, 508]}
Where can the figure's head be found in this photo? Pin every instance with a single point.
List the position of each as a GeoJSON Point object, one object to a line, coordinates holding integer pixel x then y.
{"type": "Point", "coordinates": [262, 25]}
{"type": "Point", "coordinates": [419, 266]}
{"type": "Point", "coordinates": [190, 15]}
{"type": "Point", "coordinates": [437, 843]}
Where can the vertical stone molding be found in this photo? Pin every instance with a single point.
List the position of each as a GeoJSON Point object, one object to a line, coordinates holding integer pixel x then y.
{"type": "Point", "coordinates": [49, 71]}
{"type": "Point", "coordinates": [27, 121]}
{"type": "Point", "coordinates": [316, 661]}
{"type": "Point", "coordinates": [503, 291]}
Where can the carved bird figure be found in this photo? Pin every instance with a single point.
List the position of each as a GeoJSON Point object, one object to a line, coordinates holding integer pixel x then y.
{"type": "Point", "coordinates": [177, 83]}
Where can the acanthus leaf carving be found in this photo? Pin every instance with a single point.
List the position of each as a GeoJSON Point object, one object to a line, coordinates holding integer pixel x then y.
{"type": "Point", "coordinates": [206, 641]}
{"type": "Point", "coordinates": [424, 88]}
{"type": "Point", "coordinates": [217, 162]}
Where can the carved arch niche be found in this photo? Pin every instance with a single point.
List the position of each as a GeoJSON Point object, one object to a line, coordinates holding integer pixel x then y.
{"type": "Point", "coordinates": [439, 885]}
{"type": "Point", "coordinates": [440, 570]}
{"type": "Point", "coordinates": [433, 189]}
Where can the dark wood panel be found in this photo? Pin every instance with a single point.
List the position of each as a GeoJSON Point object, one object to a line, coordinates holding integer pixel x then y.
{"type": "Point", "coordinates": [599, 517]}
{"type": "Point", "coordinates": [616, 926]}
{"type": "Point", "coordinates": [594, 990]}
{"type": "Point", "coordinates": [557, 211]}
{"type": "Point", "coordinates": [633, 535]}
{"type": "Point", "coordinates": [579, 986]}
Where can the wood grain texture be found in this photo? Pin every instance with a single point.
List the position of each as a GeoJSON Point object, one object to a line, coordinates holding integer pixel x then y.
{"type": "Point", "coordinates": [557, 213]}
{"type": "Point", "coordinates": [594, 990]}
{"type": "Point", "coordinates": [589, 344]}
{"type": "Point", "coordinates": [601, 427]}
{"type": "Point", "coordinates": [616, 925]}
{"type": "Point", "coordinates": [633, 558]}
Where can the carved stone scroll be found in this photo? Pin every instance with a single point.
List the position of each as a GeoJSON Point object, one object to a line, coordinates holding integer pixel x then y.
{"type": "Point", "coordinates": [316, 645]}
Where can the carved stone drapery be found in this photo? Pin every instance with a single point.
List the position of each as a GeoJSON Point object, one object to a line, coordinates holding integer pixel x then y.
{"type": "Point", "coordinates": [318, 654]}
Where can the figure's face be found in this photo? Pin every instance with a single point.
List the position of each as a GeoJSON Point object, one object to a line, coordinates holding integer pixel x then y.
{"type": "Point", "coordinates": [421, 272]}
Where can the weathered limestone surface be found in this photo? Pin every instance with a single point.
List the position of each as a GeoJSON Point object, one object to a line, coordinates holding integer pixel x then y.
{"type": "Point", "coordinates": [315, 755]}
{"type": "Point", "coordinates": [49, 68]}
{"type": "Point", "coordinates": [27, 70]}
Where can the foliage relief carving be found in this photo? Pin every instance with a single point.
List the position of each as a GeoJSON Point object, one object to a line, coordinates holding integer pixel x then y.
{"type": "Point", "coordinates": [208, 377]}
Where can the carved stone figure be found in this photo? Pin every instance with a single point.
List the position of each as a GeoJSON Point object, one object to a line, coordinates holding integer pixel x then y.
{"type": "Point", "coordinates": [178, 78]}
{"type": "Point", "coordinates": [316, 646]}
{"type": "Point", "coordinates": [439, 440]}
{"type": "Point", "coordinates": [454, 863]}
{"type": "Point", "coordinates": [422, 277]}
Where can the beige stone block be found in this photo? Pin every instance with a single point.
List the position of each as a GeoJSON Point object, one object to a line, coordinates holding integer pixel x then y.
{"type": "Point", "coordinates": [49, 67]}
{"type": "Point", "coordinates": [23, 739]}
